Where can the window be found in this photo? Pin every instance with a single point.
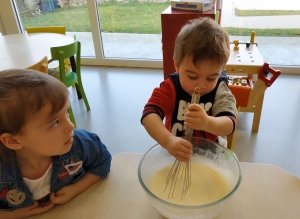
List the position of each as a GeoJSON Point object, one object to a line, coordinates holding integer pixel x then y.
{"type": "Point", "coordinates": [137, 42]}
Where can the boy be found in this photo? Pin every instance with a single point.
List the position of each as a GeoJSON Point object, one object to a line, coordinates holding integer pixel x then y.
{"type": "Point", "coordinates": [200, 54]}
{"type": "Point", "coordinates": [43, 160]}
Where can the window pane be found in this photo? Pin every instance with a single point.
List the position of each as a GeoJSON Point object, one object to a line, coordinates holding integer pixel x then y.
{"type": "Point", "coordinates": [131, 29]}
{"type": "Point", "coordinates": [276, 23]}
{"type": "Point", "coordinates": [74, 17]}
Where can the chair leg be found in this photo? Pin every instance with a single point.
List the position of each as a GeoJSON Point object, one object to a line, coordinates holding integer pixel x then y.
{"type": "Point", "coordinates": [87, 105]}
{"type": "Point", "coordinates": [78, 91]}
{"type": "Point", "coordinates": [71, 115]}
{"type": "Point", "coordinates": [231, 137]}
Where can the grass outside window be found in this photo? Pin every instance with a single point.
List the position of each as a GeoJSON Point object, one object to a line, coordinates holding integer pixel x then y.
{"type": "Point", "coordinates": [132, 17]}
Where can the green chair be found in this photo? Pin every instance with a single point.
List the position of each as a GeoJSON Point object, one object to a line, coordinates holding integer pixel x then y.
{"type": "Point", "coordinates": [69, 78]}
{"type": "Point", "coordinates": [50, 29]}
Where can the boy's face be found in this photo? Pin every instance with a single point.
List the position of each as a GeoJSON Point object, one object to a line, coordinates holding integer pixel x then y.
{"type": "Point", "coordinates": [204, 75]}
{"type": "Point", "coordinates": [47, 134]}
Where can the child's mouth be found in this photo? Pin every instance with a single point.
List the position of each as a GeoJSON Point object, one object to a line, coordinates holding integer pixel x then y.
{"type": "Point", "coordinates": [70, 141]}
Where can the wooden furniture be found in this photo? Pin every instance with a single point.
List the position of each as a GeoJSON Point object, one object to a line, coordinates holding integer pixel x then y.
{"type": "Point", "coordinates": [61, 53]}
{"type": "Point", "coordinates": [266, 191]}
{"type": "Point", "coordinates": [41, 66]}
{"type": "Point", "coordinates": [47, 29]}
{"type": "Point", "coordinates": [23, 50]}
{"type": "Point", "coordinates": [248, 61]}
{"type": "Point", "coordinates": [50, 29]}
{"type": "Point", "coordinates": [171, 23]}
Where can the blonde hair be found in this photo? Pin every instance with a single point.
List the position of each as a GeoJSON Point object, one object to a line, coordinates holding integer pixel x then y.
{"type": "Point", "coordinates": [22, 94]}
{"type": "Point", "coordinates": [202, 39]}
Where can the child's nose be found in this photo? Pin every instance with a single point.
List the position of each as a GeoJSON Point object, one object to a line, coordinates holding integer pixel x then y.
{"type": "Point", "coordinates": [201, 84]}
{"type": "Point", "coordinates": [70, 125]}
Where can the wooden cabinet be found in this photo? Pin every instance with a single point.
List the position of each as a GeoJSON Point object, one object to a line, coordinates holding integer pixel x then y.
{"type": "Point", "coordinates": [171, 23]}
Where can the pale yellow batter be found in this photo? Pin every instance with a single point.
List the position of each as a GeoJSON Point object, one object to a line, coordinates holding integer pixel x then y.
{"type": "Point", "coordinates": [207, 186]}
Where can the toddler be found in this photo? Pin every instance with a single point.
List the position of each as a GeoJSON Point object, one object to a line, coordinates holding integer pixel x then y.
{"type": "Point", "coordinates": [200, 55]}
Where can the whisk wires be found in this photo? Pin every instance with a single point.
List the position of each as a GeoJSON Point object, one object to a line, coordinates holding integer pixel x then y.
{"type": "Point", "coordinates": [182, 168]}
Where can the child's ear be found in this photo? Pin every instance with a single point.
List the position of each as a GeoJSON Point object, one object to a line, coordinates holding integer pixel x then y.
{"type": "Point", "coordinates": [10, 141]}
{"type": "Point", "coordinates": [175, 66]}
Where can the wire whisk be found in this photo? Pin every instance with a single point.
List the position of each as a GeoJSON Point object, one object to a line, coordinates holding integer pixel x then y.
{"type": "Point", "coordinates": [182, 169]}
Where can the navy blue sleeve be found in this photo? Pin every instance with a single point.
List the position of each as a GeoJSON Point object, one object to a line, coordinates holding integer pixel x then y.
{"type": "Point", "coordinates": [94, 154]}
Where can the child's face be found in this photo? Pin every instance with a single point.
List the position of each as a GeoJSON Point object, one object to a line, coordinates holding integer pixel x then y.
{"type": "Point", "coordinates": [204, 75]}
{"type": "Point", "coordinates": [46, 134]}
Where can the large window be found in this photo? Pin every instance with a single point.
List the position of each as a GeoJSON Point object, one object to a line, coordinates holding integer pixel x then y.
{"type": "Point", "coordinates": [59, 13]}
{"type": "Point", "coordinates": [128, 33]}
{"type": "Point", "coordinates": [131, 30]}
{"type": "Point", "coordinates": [276, 23]}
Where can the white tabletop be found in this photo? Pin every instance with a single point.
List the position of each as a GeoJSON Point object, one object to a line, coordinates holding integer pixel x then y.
{"type": "Point", "coordinates": [24, 50]}
{"type": "Point", "coordinates": [266, 191]}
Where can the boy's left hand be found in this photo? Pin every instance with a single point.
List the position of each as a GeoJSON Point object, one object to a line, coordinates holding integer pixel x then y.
{"type": "Point", "coordinates": [195, 117]}
{"type": "Point", "coordinates": [63, 195]}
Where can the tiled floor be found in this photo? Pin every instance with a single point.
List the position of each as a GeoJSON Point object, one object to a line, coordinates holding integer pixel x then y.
{"type": "Point", "coordinates": [117, 97]}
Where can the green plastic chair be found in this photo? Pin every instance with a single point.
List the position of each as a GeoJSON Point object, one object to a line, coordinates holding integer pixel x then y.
{"type": "Point", "coordinates": [69, 78]}
{"type": "Point", "coordinates": [50, 29]}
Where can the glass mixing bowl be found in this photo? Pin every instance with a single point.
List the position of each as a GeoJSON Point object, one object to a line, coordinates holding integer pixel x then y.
{"type": "Point", "coordinates": [204, 151]}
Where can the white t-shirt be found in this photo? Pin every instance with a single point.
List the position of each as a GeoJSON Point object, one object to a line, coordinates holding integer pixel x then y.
{"type": "Point", "coordinates": [40, 187]}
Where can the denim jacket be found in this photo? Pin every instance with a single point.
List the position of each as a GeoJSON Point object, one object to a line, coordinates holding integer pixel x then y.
{"type": "Point", "coordinates": [87, 155]}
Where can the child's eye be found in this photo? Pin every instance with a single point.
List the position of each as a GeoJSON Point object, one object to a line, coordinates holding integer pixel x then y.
{"type": "Point", "coordinates": [67, 113]}
{"type": "Point", "coordinates": [192, 78]}
{"type": "Point", "coordinates": [211, 79]}
{"type": "Point", "coordinates": [55, 123]}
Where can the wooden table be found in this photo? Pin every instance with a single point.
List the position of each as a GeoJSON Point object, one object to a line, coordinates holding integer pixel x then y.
{"type": "Point", "coordinates": [266, 191]}
{"type": "Point", "coordinates": [24, 50]}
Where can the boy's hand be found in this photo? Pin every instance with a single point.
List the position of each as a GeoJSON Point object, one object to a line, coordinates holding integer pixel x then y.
{"type": "Point", "coordinates": [180, 148]}
{"type": "Point", "coordinates": [26, 212]}
{"type": "Point", "coordinates": [196, 118]}
{"type": "Point", "coordinates": [63, 195]}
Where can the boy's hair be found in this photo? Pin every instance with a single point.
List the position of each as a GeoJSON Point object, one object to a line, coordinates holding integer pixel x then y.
{"type": "Point", "coordinates": [22, 94]}
{"type": "Point", "coordinates": [204, 40]}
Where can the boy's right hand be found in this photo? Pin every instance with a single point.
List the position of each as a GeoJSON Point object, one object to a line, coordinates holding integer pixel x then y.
{"type": "Point", "coordinates": [180, 148]}
{"type": "Point", "coordinates": [26, 212]}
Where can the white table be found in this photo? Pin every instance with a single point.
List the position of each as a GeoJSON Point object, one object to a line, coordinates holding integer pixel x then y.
{"type": "Point", "coordinates": [266, 191]}
{"type": "Point", "coordinates": [24, 50]}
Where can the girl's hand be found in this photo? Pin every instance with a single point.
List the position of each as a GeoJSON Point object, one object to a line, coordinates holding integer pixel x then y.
{"type": "Point", "coordinates": [68, 192]}
{"type": "Point", "coordinates": [63, 195]}
{"type": "Point", "coordinates": [196, 118]}
{"type": "Point", "coordinates": [26, 212]}
{"type": "Point", "coordinates": [180, 148]}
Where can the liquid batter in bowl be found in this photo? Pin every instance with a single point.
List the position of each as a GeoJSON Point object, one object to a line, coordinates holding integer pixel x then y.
{"type": "Point", "coordinates": [207, 186]}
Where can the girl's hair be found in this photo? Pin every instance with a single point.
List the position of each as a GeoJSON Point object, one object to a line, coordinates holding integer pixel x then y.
{"type": "Point", "coordinates": [204, 40]}
{"type": "Point", "coordinates": [22, 94]}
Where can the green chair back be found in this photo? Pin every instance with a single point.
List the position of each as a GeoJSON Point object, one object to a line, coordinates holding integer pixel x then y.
{"type": "Point", "coordinates": [62, 52]}
{"type": "Point", "coordinates": [74, 77]}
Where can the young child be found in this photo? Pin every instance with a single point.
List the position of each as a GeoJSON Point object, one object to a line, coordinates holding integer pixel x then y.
{"type": "Point", "coordinates": [200, 54]}
{"type": "Point", "coordinates": [44, 161]}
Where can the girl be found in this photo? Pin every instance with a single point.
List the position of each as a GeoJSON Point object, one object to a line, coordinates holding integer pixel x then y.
{"type": "Point", "coordinates": [43, 160]}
